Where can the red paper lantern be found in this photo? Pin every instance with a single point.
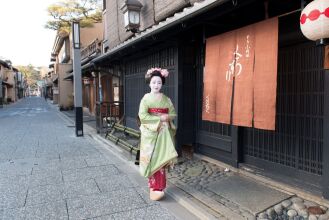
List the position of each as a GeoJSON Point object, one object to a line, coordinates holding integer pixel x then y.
{"type": "Point", "coordinates": [314, 21]}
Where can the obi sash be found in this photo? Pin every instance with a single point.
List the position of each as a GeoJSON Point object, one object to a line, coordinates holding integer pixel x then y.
{"type": "Point", "coordinates": [158, 110]}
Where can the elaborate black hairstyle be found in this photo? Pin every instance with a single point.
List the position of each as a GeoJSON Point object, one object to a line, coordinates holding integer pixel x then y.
{"type": "Point", "coordinates": [149, 76]}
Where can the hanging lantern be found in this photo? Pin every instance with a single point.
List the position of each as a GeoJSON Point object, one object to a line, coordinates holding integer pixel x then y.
{"type": "Point", "coordinates": [131, 12]}
{"type": "Point", "coordinates": [314, 21]}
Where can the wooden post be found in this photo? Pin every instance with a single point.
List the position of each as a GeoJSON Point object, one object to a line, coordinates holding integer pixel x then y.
{"type": "Point", "coordinates": [326, 57]}
{"type": "Point", "coordinates": [325, 171]}
{"type": "Point", "coordinates": [235, 146]}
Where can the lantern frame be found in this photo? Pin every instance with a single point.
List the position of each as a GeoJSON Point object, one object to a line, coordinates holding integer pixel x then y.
{"type": "Point", "coordinates": [314, 21]}
{"type": "Point", "coordinates": [131, 12]}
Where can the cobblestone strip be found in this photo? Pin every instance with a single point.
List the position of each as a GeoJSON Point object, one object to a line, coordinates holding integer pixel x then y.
{"type": "Point", "coordinates": [295, 208]}
{"type": "Point", "coordinates": [194, 177]}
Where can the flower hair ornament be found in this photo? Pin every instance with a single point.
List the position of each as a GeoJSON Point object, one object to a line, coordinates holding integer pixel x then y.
{"type": "Point", "coordinates": [164, 72]}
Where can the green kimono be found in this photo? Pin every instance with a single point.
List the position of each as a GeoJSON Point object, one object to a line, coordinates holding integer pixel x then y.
{"type": "Point", "coordinates": [157, 147]}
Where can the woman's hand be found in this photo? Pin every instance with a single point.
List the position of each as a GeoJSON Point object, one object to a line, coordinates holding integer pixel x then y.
{"type": "Point", "coordinates": [164, 118]}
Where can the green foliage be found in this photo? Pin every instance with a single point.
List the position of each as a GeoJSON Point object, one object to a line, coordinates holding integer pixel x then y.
{"type": "Point", "coordinates": [31, 73]}
{"type": "Point", "coordinates": [63, 13]}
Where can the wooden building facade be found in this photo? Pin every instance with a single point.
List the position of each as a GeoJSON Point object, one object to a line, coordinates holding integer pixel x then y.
{"type": "Point", "coordinates": [296, 151]}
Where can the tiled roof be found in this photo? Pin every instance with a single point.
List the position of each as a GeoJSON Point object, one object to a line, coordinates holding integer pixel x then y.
{"type": "Point", "coordinates": [188, 12]}
{"type": "Point", "coordinates": [4, 63]}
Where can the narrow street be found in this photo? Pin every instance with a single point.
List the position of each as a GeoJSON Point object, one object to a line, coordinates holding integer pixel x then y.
{"type": "Point", "coordinates": [222, 105]}
{"type": "Point", "coordinates": [46, 172]}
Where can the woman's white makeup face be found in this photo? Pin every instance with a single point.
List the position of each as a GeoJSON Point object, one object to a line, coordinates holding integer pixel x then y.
{"type": "Point", "coordinates": [156, 84]}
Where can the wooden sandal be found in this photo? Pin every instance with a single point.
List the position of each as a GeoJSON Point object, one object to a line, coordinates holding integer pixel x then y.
{"type": "Point", "coordinates": [156, 195]}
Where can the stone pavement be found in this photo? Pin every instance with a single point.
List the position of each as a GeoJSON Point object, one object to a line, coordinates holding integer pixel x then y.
{"type": "Point", "coordinates": [48, 173]}
{"type": "Point", "coordinates": [213, 190]}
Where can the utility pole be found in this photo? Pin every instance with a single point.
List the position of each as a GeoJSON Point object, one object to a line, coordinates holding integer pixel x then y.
{"type": "Point", "coordinates": [77, 79]}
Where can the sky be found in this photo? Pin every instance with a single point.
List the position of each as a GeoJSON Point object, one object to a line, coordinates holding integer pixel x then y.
{"type": "Point", "coordinates": [23, 38]}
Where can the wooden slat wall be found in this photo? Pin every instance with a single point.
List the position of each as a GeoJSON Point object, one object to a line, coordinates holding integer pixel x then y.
{"type": "Point", "coordinates": [135, 86]}
{"type": "Point", "coordinates": [298, 139]}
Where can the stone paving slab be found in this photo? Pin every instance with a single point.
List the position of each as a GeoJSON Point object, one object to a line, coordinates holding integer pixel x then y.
{"type": "Point", "coordinates": [11, 173]}
{"type": "Point", "coordinates": [69, 163]}
{"type": "Point", "coordinates": [91, 152]}
{"type": "Point", "coordinates": [9, 144]}
{"type": "Point", "coordinates": [40, 178]}
{"type": "Point", "coordinates": [151, 212]}
{"type": "Point", "coordinates": [81, 144]}
{"type": "Point", "coordinates": [224, 209]}
{"type": "Point", "coordinates": [13, 185]}
{"type": "Point", "coordinates": [97, 161]}
{"type": "Point", "coordinates": [6, 150]}
{"type": "Point", "coordinates": [104, 204]}
{"type": "Point", "coordinates": [4, 156]}
{"type": "Point", "coordinates": [44, 194]}
{"type": "Point", "coordinates": [50, 211]}
{"type": "Point", "coordinates": [115, 182]}
{"type": "Point", "coordinates": [251, 195]}
{"type": "Point", "coordinates": [76, 189]}
{"type": "Point", "coordinates": [25, 163]}
{"type": "Point", "coordinates": [72, 154]}
{"type": "Point", "coordinates": [11, 168]}
{"type": "Point", "coordinates": [195, 176]}
{"type": "Point", "coordinates": [13, 198]}
{"type": "Point", "coordinates": [94, 156]}
{"type": "Point", "coordinates": [81, 151]}
{"type": "Point", "coordinates": [49, 155]}
{"type": "Point", "coordinates": [22, 154]}
{"type": "Point", "coordinates": [145, 196]}
{"type": "Point", "coordinates": [49, 149]}
{"type": "Point", "coordinates": [66, 140]}
{"type": "Point", "coordinates": [20, 182]}
{"type": "Point", "coordinates": [106, 217]}
{"type": "Point", "coordinates": [46, 165]}
{"type": "Point", "coordinates": [51, 144]}
{"type": "Point", "coordinates": [13, 214]}
{"type": "Point", "coordinates": [25, 148]}
{"type": "Point", "coordinates": [89, 172]}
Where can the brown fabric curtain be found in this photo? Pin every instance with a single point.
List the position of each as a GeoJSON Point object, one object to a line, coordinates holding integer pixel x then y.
{"type": "Point", "coordinates": [224, 77]}
{"type": "Point", "coordinates": [243, 87]}
{"type": "Point", "coordinates": [209, 93]}
{"type": "Point", "coordinates": [245, 59]}
{"type": "Point", "coordinates": [265, 74]}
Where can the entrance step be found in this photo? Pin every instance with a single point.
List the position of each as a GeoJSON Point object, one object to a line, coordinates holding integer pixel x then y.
{"type": "Point", "coordinates": [197, 180]}
{"type": "Point", "coordinates": [248, 194]}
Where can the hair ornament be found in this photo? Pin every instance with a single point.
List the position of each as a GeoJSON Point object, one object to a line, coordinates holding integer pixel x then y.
{"type": "Point", "coordinates": [164, 72]}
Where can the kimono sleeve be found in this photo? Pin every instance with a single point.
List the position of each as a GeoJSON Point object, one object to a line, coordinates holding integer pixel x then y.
{"type": "Point", "coordinates": [149, 121]}
{"type": "Point", "coordinates": [172, 113]}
